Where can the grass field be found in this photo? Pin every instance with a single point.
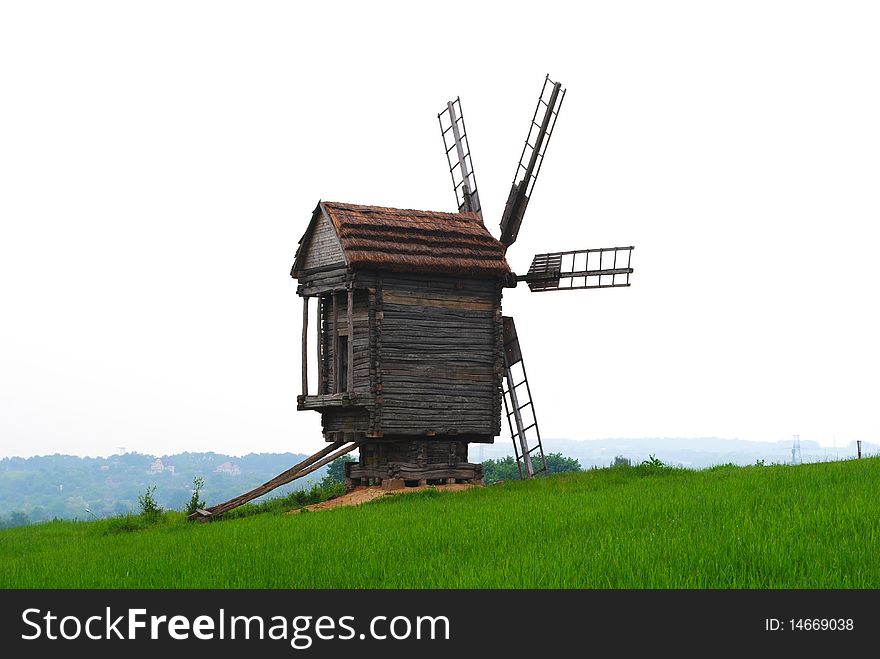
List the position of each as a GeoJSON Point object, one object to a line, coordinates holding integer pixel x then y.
{"type": "Point", "coordinates": [810, 526]}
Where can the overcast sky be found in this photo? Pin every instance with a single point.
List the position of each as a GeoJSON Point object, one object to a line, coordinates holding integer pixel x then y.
{"type": "Point", "coordinates": [159, 162]}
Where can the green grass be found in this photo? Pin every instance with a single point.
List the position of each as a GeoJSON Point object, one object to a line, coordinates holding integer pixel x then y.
{"type": "Point", "coordinates": [811, 526]}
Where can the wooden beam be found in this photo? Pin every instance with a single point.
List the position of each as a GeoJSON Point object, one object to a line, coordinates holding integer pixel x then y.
{"type": "Point", "coordinates": [305, 345]}
{"type": "Point", "coordinates": [550, 276]}
{"type": "Point", "coordinates": [350, 383]}
{"type": "Point", "coordinates": [320, 347]}
{"type": "Point", "coordinates": [335, 389]}
{"type": "Point", "coordinates": [348, 448]}
{"type": "Point", "coordinates": [440, 300]}
{"type": "Point", "coordinates": [307, 466]}
{"type": "Point", "coordinates": [343, 399]}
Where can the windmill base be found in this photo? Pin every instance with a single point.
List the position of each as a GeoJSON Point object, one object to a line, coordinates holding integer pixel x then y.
{"type": "Point", "coordinates": [409, 463]}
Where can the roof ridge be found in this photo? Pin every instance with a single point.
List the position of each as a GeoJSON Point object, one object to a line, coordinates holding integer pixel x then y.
{"type": "Point", "coordinates": [467, 215]}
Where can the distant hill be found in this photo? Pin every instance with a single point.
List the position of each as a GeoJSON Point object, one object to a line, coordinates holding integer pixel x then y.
{"type": "Point", "coordinates": [65, 486]}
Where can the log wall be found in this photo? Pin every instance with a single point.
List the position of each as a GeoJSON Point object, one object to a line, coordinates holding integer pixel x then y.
{"type": "Point", "coordinates": [416, 460]}
{"type": "Point", "coordinates": [438, 363]}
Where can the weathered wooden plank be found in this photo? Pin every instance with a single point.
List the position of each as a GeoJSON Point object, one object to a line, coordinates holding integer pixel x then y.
{"type": "Point", "coordinates": [344, 399]}
{"type": "Point", "coordinates": [410, 433]}
{"type": "Point", "coordinates": [324, 275]}
{"type": "Point", "coordinates": [350, 416]}
{"type": "Point", "coordinates": [373, 356]}
{"type": "Point", "coordinates": [484, 334]}
{"type": "Point", "coordinates": [437, 320]}
{"type": "Point", "coordinates": [438, 409]}
{"type": "Point", "coordinates": [422, 419]}
{"type": "Point", "coordinates": [415, 282]}
{"type": "Point", "coordinates": [404, 313]}
{"type": "Point", "coordinates": [318, 346]}
{"type": "Point", "coordinates": [323, 281]}
{"type": "Point", "coordinates": [439, 355]}
{"type": "Point", "coordinates": [437, 391]}
{"type": "Point", "coordinates": [414, 299]}
{"type": "Point", "coordinates": [428, 410]}
{"type": "Point", "coordinates": [430, 472]}
{"type": "Point", "coordinates": [432, 296]}
{"type": "Point", "coordinates": [305, 273]}
{"type": "Point", "coordinates": [423, 373]}
{"type": "Point", "coordinates": [350, 383]}
{"type": "Point", "coordinates": [305, 354]}
{"type": "Point", "coordinates": [335, 387]}
{"type": "Point", "coordinates": [350, 419]}
{"type": "Point", "coordinates": [360, 317]}
{"type": "Point", "coordinates": [327, 361]}
{"type": "Point", "coordinates": [464, 344]}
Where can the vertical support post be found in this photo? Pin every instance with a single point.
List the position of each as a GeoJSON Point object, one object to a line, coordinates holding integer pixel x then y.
{"type": "Point", "coordinates": [320, 347]}
{"type": "Point", "coordinates": [859, 448]}
{"type": "Point", "coordinates": [336, 388]}
{"type": "Point", "coordinates": [350, 369]}
{"type": "Point", "coordinates": [305, 345]}
{"type": "Point", "coordinates": [517, 417]}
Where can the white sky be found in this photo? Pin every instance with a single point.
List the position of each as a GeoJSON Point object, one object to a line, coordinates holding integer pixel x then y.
{"type": "Point", "coordinates": [159, 162]}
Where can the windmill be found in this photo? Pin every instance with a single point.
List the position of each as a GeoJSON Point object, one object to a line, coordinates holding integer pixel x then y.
{"type": "Point", "coordinates": [415, 359]}
{"type": "Point", "coordinates": [607, 267]}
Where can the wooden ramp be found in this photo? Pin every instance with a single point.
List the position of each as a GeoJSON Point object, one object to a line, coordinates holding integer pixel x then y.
{"type": "Point", "coordinates": [307, 466]}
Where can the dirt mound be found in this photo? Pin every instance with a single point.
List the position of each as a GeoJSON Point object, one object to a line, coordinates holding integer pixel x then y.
{"type": "Point", "coordinates": [363, 494]}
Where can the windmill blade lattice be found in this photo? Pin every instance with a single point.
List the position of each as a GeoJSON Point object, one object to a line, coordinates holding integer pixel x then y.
{"type": "Point", "coordinates": [606, 267]}
{"type": "Point", "coordinates": [520, 410]}
{"type": "Point", "coordinates": [458, 156]}
{"type": "Point", "coordinates": [531, 159]}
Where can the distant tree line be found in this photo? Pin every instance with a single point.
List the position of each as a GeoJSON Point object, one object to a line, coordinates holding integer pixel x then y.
{"type": "Point", "coordinates": [65, 487]}
{"type": "Point", "coordinates": [15, 518]}
{"type": "Point", "coordinates": [505, 469]}
{"type": "Point", "coordinates": [71, 487]}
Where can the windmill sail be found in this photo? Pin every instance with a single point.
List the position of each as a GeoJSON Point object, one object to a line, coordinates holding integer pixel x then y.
{"type": "Point", "coordinates": [531, 159]}
{"type": "Point", "coordinates": [458, 156]}
{"type": "Point", "coordinates": [519, 407]}
{"type": "Point", "coordinates": [606, 267]}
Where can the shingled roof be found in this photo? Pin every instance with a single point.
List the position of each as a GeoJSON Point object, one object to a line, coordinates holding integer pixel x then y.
{"type": "Point", "coordinates": [376, 237]}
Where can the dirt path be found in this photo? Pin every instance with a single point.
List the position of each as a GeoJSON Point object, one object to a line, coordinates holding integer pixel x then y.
{"type": "Point", "coordinates": [363, 494]}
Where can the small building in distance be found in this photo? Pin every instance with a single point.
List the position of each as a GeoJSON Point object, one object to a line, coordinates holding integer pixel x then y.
{"type": "Point", "coordinates": [228, 468]}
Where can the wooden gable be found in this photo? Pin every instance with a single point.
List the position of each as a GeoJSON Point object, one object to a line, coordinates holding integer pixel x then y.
{"type": "Point", "coordinates": [320, 246]}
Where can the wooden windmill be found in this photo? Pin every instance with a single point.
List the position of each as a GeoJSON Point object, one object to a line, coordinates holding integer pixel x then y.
{"type": "Point", "coordinates": [415, 359]}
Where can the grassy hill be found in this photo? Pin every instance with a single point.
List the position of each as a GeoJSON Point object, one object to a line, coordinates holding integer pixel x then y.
{"type": "Point", "coordinates": [810, 526]}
